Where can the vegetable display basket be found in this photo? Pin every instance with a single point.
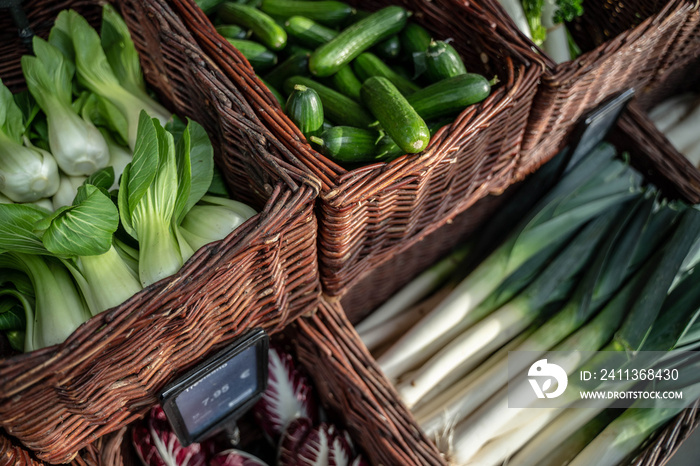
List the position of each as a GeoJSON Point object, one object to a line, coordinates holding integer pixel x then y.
{"type": "Point", "coordinates": [351, 383]}
{"type": "Point", "coordinates": [58, 400]}
{"type": "Point", "coordinates": [366, 215]}
{"type": "Point", "coordinates": [624, 45]}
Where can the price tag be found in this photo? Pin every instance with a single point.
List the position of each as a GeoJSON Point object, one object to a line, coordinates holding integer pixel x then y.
{"type": "Point", "coordinates": [210, 397]}
{"type": "Point", "coordinates": [596, 125]}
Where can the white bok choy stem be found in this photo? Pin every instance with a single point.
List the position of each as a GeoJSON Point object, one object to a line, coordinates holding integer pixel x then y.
{"type": "Point", "coordinates": [413, 292]}
{"type": "Point", "coordinates": [27, 173]}
{"type": "Point", "coordinates": [593, 186]}
{"type": "Point", "coordinates": [471, 347]}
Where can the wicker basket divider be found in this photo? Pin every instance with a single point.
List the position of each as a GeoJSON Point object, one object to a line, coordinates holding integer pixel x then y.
{"type": "Point", "coordinates": [665, 442]}
{"type": "Point", "coordinates": [60, 399]}
{"type": "Point", "coordinates": [366, 213]}
{"type": "Point", "coordinates": [651, 152]}
{"type": "Point", "coordinates": [351, 384]}
{"type": "Point", "coordinates": [624, 45]}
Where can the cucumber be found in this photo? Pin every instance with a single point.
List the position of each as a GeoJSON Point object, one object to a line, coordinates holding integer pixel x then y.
{"type": "Point", "coordinates": [308, 32]}
{"type": "Point", "coordinates": [231, 31]}
{"type": "Point", "coordinates": [367, 65]}
{"type": "Point", "coordinates": [326, 12]}
{"type": "Point", "coordinates": [274, 92]}
{"type": "Point", "coordinates": [389, 48]}
{"type": "Point", "coordinates": [305, 110]}
{"type": "Point", "coordinates": [388, 150]}
{"type": "Point", "coordinates": [338, 108]}
{"type": "Point", "coordinates": [296, 65]}
{"type": "Point", "coordinates": [347, 83]}
{"type": "Point", "coordinates": [442, 61]}
{"type": "Point", "coordinates": [414, 38]}
{"type": "Point", "coordinates": [395, 115]}
{"type": "Point", "coordinates": [262, 26]}
{"type": "Point", "coordinates": [208, 6]}
{"type": "Point", "coordinates": [292, 48]}
{"type": "Point", "coordinates": [450, 96]}
{"type": "Point", "coordinates": [355, 39]}
{"type": "Point", "coordinates": [258, 55]}
{"type": "Point", "coordinates": [348, 144]}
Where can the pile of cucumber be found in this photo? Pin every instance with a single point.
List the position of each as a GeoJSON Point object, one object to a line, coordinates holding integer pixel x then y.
{"type": "Point", "coordinates": [362, 87]}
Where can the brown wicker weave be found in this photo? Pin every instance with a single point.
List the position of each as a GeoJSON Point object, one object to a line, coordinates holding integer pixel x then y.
{"type": "Point", "coordinates": [351, 384]}
{"type": "Point", "coordinates": [624, 45]}
{"type": "Point", "coordinates": [661, 446]}
{"type": "Point", "coordinates": [59, 399]}
{"type": "Point", "coordinates": [653, 155]}
{"type": "Point", "coordinates": [365, 214]}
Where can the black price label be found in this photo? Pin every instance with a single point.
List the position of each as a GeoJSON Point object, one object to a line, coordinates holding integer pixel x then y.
{"type": "Point", "coordinates": [596, 125]}
{"type": "Point", "coordinates": [214, 394]}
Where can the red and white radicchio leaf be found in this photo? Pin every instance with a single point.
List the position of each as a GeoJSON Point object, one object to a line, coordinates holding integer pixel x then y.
{"type": "Point", "coordinates": [340, 453]}
{"type": "Point", "coordinates": [315, 449]}
{"type": "Point", "coordinates": [287, 397]}
{"type": "Point", "coordinates": [292, 438]}
{"type": "Point", "coordinates": [236, 458]}
{"type": "Point", "coordinates": [157, 445]}
{"type": "Point", "coordinates": [360, 461]}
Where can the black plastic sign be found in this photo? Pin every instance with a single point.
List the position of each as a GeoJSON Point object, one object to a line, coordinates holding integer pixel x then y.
{"type": "Point", "coordinates": [209, 398]}
{"type": "Point", "coordinates": [596, 125]}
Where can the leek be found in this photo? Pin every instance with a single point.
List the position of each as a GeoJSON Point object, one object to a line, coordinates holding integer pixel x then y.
{"type": "Point", "coordinates": [594, 185]}
{"type": "Point", "coordinates": [645, 302]}
{"type": "Point", "coordinates": [470, 348]}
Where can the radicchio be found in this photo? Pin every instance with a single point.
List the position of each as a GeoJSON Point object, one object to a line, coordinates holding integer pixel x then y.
{"type": "Point", "coordinates": [322, 445]}
{"type": "Point", "coordinates": [157, 445]}
{"type": "Point", "coordinates": [236, 458]}
{"type": "Point", "coordinates": [294, 435]}
{"type": "Point", "coordinates": [288, 396]}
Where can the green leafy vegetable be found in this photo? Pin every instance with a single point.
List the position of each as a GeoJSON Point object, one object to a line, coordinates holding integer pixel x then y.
{"type": "Point", "coordinates": [76, 144]}
{"type": "Point", "coordinates": [26, 173]}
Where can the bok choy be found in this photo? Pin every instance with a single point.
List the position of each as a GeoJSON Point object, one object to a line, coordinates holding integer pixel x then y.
{"type": "Point", "coordinates": [27, 173]}
{"type": "Point", "coordinates": [76, 144]}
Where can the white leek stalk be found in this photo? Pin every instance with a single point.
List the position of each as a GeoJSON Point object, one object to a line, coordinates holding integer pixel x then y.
{"type": "Point", "coordinates": [416, 290]}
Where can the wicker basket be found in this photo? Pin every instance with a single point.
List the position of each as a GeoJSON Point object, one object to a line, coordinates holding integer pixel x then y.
{"type": "Point", "coordinates": [365, 214]}
{"type": "Point", "coordinates": [651, 152]}
{"type": "Point", "coordinates": [351, 383]}
{"type": "Point", "coordinates": [624, 45]}
{"type": "Point", "coordinates": [57, 400]}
